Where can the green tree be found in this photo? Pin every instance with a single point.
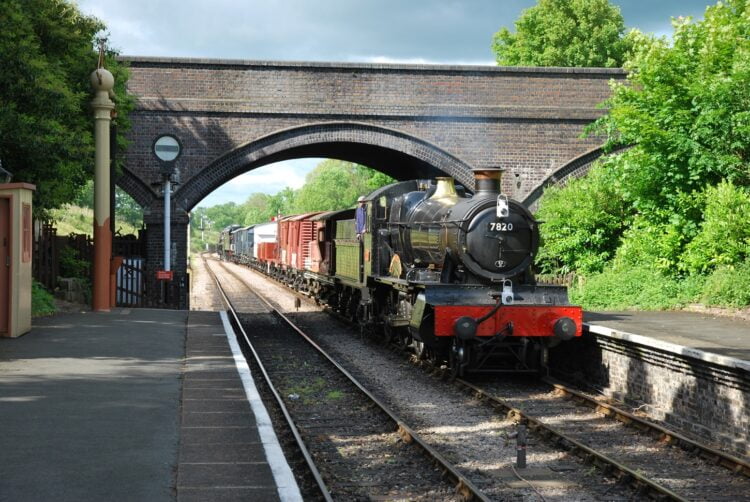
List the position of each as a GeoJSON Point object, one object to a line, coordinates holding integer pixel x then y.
{"type": "Point", "coordinates": [281, 203]}
{"type": "Point", "coordinates": [676, 204]}
{"type": "Point", "coordinates": [223, 215]}
{"type": "Point", "coordinates": [127, 209]}
{"type": "Point", "coordinates": [686, 111]}
{"type": "Point", "coordinates": [564, 33]}
{"type": "Point", "coordinates": [581, 224]}
{"type": "Point", "coordinates": [256, 208]}
{"type": "Point", "coordinates": [46, 55]}
{"type": "Point", "coordinates": [336, 184]}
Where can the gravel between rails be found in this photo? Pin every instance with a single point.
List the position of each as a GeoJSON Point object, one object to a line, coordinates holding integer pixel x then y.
{"type": "Point", "coordinates": [465, 431]}
{"type": "Point", "coordinates": [203, 293]}
{"type": "Point", "coordinates": [687, 475]}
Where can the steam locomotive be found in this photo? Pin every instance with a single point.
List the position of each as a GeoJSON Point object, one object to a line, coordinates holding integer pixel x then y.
{"type": "Point", "coordinates": [427, 265]}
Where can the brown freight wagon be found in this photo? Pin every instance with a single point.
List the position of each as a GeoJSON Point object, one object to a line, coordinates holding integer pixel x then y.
{"type": "Point", "coordinates": [296, 233]}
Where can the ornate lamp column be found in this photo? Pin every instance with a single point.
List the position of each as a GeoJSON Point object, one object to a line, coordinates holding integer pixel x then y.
{"type": "Point", "coordinates": [103, 82]}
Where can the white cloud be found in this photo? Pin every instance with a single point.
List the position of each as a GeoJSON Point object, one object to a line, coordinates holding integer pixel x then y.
{"type": "Point", "coordinates": [269, 179]}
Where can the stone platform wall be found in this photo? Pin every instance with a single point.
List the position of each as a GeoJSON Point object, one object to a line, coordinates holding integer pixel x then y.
{"type": "Point", "coordinates": [705, 399]}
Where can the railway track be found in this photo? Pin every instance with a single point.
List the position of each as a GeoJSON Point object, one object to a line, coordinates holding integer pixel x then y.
{"type": "Point", "coordinates": [355, 447]}
{"type": "Point", "coordinates": [634, 450]}
{"type": "Point", "coordinates": [621, 444]}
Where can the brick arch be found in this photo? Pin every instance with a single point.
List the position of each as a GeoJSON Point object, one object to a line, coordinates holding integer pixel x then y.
{"type": "Point", "coordinates": [575, 168]}
{"type": "Point", "coordinates": [136, 188]}
{"type": "Point", "coordinates": [393, 152]}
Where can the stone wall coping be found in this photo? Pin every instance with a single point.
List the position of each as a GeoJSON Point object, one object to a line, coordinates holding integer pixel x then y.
{"type": "Point", "coordinates": [674, 348]}
{"type": "Point", "coordinates": [395, 67]}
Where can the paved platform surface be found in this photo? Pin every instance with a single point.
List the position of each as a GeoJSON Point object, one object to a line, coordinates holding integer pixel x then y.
{"type": "Point", "coordinates": [89, 407]}
{"type": "Point", "coordinates": [221, 453]}
{"type": "Point", "coordinates": [713, 334]}
{"type": "Point", "coordinates": [142, 405]}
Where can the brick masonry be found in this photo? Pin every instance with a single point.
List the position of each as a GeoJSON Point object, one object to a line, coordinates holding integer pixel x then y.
{"type": "Point", "coordinates": [406, 120]}
{"type": "Point", "coordinates": [705, 400]}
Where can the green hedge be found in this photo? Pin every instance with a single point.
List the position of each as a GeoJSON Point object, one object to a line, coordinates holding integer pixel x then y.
{"type": "Point", "coordinates": [42, 301]}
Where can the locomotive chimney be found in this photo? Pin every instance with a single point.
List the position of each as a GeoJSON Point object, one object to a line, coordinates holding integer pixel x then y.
{"type": "Point", "coordinates": [487, 180]}
{"type": "Point", "coordinates": [445, 189]}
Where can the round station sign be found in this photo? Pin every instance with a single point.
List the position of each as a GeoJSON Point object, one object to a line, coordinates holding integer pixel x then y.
{"type": "Point", "coordinates": [166, 148]}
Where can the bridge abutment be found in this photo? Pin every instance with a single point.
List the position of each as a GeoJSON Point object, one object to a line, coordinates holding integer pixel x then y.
{"type": "Point", "coordinates": [166, 294]}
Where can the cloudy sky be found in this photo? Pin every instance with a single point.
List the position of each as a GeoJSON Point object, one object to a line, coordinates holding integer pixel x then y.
{"type": "Point", "coordinates": [423, 31]}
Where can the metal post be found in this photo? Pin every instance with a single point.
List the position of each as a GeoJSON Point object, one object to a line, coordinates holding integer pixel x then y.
{"type": "Point", "coordinates": [167, 221]}
{"type": "Point", "coordinates": [103, 82]}
{"type": "Point", "coordinates": [521, 447]}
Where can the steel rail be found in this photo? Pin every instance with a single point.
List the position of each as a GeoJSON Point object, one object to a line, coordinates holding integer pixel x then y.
{"type": "Point", "coordinates": [464, 487]}
{"type": "Point", "coordinates": [731, 462]}
{"type": "Point", "coordinates": [641, 482]}
{"type": "Point", "coordinates": [290, 422]}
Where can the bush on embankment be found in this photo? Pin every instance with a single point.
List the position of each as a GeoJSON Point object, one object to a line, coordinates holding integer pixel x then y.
{"type": "Point", "coordinates": [42, 301]}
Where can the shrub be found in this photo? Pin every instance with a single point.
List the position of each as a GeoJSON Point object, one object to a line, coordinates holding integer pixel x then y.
{"type": "Point", "coordinates": [728, 286]}
{"type": "Point", "coordinates": [42, 301]}
{"type": "Point", "coordinates": [633, 288]}
{"type": "Point", "coordinates": [724, 236]}
{"type": "Point", "coordinates": [581, 224]}
{"type": "Point", "coordinates": [71, 265]}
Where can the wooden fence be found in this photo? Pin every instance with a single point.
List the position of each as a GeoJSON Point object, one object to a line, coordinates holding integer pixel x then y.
{"type": "Point", "coordinates": [46, 264]}
{"type": "Point", "coordinates": [48, 248]}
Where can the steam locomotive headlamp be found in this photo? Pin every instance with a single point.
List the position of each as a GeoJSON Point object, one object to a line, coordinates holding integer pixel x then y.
{"type": "Point", "coordinates": [507, 294]}
{"type": "Point", "coordinates": [503, 207]}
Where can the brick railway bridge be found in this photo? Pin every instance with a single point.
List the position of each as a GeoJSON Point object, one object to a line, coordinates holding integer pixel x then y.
{"type": "Point", "coordinates": [405, 120]}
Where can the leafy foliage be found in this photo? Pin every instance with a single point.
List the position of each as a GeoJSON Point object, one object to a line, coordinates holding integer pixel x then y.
{"type": "Point", "coordinates": [71, 265]}
{"type": "Point", "coordinates": [42, 301]}
{"type": "Point", "coordinates": [332, 185]}
{"type": "Point", "coordinates": [724, 236]}
{"type": "Point", "coordinates": [682, 189]}
{"type": "Point", "coordinates": [636, 287]}
{"type": "Point", "coordinates": [728, 286]}
{"type": "Point", "coordinates": [127, 210]}
{"type": "Point", "coordinates": [46, 56]}
{"type": "Point", "coordinates": [335, 184]}
{"type": "Point", "coordinates": [686, 110]}
{"type": "Point", "coordinates": [564, 33]}
{"type": "Point", "coordinates": [581, 224]}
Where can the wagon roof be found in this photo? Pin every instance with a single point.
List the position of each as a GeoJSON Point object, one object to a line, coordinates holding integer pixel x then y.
{"type": "Point", "coordinates": [300, 217]}
{"type": "Point", "coordinates": [331, 215]}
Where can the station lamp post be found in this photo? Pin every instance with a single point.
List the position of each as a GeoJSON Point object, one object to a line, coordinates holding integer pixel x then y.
{"type": "Point", "coordinates": [103, 83]}
{"type": "Point", "coordinates": [167, 149]}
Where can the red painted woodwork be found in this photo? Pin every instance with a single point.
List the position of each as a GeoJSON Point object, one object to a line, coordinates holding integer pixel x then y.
{"type": "Point", "coordinates": [296, 234]}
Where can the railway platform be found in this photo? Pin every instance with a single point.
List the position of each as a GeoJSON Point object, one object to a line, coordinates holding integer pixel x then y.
{"type": "Point", "coordinates": [723, 337]}
{"type": "Point", "coordinates": [134, 404]}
